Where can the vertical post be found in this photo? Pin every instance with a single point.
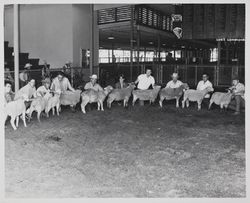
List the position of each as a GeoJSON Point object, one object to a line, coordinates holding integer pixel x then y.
{"type": "Point", "coordinates": [218, 63]}
{"type": "Point", "coordinates": [159, 57]}
{"type": "Point", "coordinates": [227, 52]}
{"type": "Point", "coordinates": [91, 64]}
{"type": "Point", "coordinates": [145, 53]}
{"type": "Point", "coordinates": [108, 56]}
{"type": "Point", "coordinates": [138, 48]}
{"type": "Point", "coordinates": [131, 42]}
{"type": "Point", "coordinates": [112, 53]}
{"type": "Point", "coordinates": [16, 46]}
{"type": "Point", "coordinates": [196, 75]}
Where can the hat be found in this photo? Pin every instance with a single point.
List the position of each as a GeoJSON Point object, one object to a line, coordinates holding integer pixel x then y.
{"type": "Point", "coordinates": [94, 76]}
{"type": "Point", "coordinates": [46, 80]}
{"type": "Point", "coordinates": [174, 75]}
{"type": "Point", "coordinates": [27, 65]}
{"type": "Point", "coordinates": [68, 62]}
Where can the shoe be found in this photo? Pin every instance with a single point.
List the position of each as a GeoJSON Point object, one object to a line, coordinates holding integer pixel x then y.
{"type": "Point", "coordinates": [236, 113]}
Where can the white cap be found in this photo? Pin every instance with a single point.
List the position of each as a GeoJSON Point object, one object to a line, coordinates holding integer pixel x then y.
{"type": "Point", "coordinates": [94, 76]}
{"type": "Point", "coordinates": [27, 65]}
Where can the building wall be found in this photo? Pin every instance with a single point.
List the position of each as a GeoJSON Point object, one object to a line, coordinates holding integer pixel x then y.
{"type": "Point", "coordinates": [81, 30]}
{"type": "Point", "coordinates": [54, 33]}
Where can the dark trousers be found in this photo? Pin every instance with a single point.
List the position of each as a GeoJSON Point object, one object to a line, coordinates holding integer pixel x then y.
{"type": "Point", "coordinates": [22, 83]}
{"type": "Point", "coordinates": [237, 103]}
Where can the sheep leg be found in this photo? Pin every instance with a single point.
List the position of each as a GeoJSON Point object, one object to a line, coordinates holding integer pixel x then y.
{"type": "Point", "coordinates": [58, 109]}
{"type": "Point", "coordinates": [221, 107]}
{"type": "Point", "coordinates": [183, 102]}
{"type": "Point", "coordinates": [98, 106]}
{"type": "Point", "coordinates": [210, 104]}
{"type": "Point", "coordinates": [17, 121]}
{"type": "Point", "coordinates": [177, 102]}
{"type": "Point", "coordinates": [12, 122]}
{"type": "Point", "coordinates": [109, 102]}
{"type": "Point", "coordinates": [199, 105]}
{"type": "Point", "coordinates": [53, 110]}
{"type": "Point", "coordinates": [24, 122]}
{"type": "Point", "coordinates": [187, 103]}
{"type": "Point", "coordinates": [101, 105]}
{"type": "Point", "coordinates": [38, 116]}
{"type": "Point", "coordinates": [160, 101]}
{"type": "Point", "coordinates": [47, 112]}
{"type": "Point", "coordinates": [134, 100]}
{"type": "Point", "coordinates": [83, 104]}
{"type": "Point", "coordinates": [30, 111]}
{"type": "Point", "coordinates": [124, 103]}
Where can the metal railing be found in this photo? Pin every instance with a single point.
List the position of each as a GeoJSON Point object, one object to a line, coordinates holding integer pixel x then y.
{"type": "Point", "coordinates": [191, 74]}
{"type": "Point", "coordinates": [109, 73]}
{"type": "Point", "coordinates": [76, 75]}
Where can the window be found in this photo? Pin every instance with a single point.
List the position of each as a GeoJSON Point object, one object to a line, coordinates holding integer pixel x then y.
{"type": "Point", "coordinates": [214, 55]}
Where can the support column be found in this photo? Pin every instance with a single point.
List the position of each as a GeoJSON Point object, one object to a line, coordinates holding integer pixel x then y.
{"type": "Point", "coordinates": [138, 48]}
{"type": "Point", "coordinates": [159, 57]}
{"type": "Point", "coordinates": [218, 63]}
{"type": "Point", "coordinates": [131, 42]}
{"type": "Point", "coordinates": [16, 45]}
{"type": "Point", "coordinates": [91, 63]}
{"type": "Point", "coordinates": [227, 53]}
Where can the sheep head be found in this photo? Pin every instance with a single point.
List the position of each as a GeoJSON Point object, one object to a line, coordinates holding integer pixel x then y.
{"type": "Point", "coordinates": [108, 89]}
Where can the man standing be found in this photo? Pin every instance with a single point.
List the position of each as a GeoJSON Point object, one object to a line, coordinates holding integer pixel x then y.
{"type": "Point", "coordinates": [145, 81]}
{"type": "Point", "coordinates": [238, 90]}
{"type": "Point", "coordinates": [24, 75]}
{"type": "Point", "coordinates": [62, 84]}
{"type": "Point", "coordinates": [92, 84]}
{"type": "Point", "coordinates": [121, 83]}
{"type": "Point", "coordinates": [174, 83]}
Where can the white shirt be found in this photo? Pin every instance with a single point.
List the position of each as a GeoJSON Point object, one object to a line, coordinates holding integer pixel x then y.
{"type": "Point", "coordinates": [61, 85]}
{"type": "Point", "coordinates": [239, 89]}
{"type": "Point", "coordinates": [23, 76]}
{"type": "Point", "coordinates": [144, 81]}
{"type": "Point", "coordinates": [203, 85]}
{"type": "Point", "coordinates": [172, 84]}
{"type": "Point", "coordinates": [42, 91]}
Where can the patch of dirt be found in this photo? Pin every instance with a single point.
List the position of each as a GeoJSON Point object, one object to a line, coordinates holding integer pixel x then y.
{"type": "Point", "coordinates": [140, 151]}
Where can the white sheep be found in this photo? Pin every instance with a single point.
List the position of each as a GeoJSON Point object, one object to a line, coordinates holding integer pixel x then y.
{"type": "Point", "coordinates": [53, 102]}
{"type": "Point", "coordinates": [70, 98]}
{"type": "Point", "coordinates": [39, 104]}
{"type": "Point", "coordinates": [146, 95]}
{"type": "Point", "coordinates": [120, 94]}
{"type": "Point", "coordinates": [172, 93]}
{"type": "Point", "coordinates": [92, 96]}
{"type": "Point", "coordinates": [14, 109]}
{"type": "Point", "coordinates": [195, 96]}
{"type": "Point", "coordinates": [221, 98]}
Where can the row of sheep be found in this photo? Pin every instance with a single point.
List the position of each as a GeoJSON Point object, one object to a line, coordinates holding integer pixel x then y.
{"type": "Point", "coordinates": [54, 100]}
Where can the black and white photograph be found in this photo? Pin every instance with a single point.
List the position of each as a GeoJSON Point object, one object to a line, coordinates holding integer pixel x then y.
{"type": "Point", "coordinates": [124, 100]}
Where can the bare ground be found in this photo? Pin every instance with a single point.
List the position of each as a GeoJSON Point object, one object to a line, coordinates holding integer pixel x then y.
{"type": "Point", "coordinates": [135, 152]}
